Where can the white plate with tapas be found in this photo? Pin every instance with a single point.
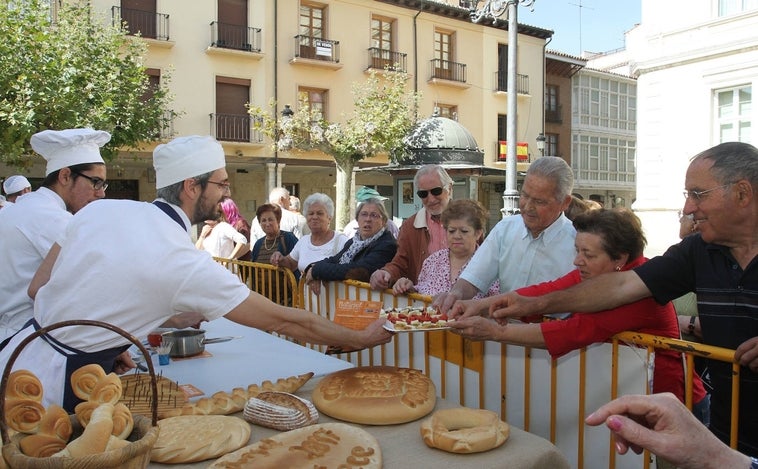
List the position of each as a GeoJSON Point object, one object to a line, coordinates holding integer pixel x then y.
{"type": "Point", "coordinates": [414, 319]}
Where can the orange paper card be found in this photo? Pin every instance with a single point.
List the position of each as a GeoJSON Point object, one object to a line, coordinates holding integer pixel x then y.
{"type": "Point", "coordinates": [356, 314]}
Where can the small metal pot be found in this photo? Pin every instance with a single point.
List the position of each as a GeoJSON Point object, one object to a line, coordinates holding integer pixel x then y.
{"type": "Point", "coordinates": [189, 342]}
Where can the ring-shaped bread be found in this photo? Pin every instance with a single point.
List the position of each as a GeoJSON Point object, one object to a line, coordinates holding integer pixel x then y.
{"type": "Point", "coordinates": [464, 430]}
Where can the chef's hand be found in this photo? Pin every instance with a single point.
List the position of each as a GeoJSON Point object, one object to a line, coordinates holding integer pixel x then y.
{"type": "Point", "coordinates": [476, 328]}
{"type": "Point", "coordinates": [375, 334]}
{"type": "Point", "coordinates": [403, 285]}
{"type": "Point", "coordinates": [747, 354]}
{"type": "Point", "coordinates": [182, 320]}
{"type": "Point", "coordinates": [380, 280]}
{"type": "Point", "coordinates": [123, 363]}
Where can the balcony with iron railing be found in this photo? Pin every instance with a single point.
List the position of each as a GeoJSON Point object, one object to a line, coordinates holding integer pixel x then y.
{"type": "Point", "coordinates": [447, 72]}
{"type": "Point", "coordinates": [235, 37]}
{"type": "Point", "coordinates": [146, 24]}
{"type": "Point", "coordinates": [234, 128]}
{"type": "Point", "coordinates": [501, 83]}
{"type": "Point", "coordinates": [384, 59]}
{"type": "Point", "coordinates": [316, 51]}
{"type": "Point", "coordinates": [554, 115]}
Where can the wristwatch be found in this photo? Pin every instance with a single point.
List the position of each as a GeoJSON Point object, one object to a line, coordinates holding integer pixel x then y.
{"type": "Point", "coordinates": [691, 326]}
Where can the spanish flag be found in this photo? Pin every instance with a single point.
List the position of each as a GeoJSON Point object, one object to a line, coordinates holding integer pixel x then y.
{"type": "Point", "coordinates": [522, 151]}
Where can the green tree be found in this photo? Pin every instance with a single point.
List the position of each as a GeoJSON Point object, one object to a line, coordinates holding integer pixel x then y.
{"type": "Point", "coordinates": [75, 71]}
{"type": "Point", "coordinates": [383, 114]}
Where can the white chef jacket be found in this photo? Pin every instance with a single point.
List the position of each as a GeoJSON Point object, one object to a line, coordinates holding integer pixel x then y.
{"type": "Point", "coordinates": [28, 229]}
{"type": "Point", "coordinates": [128, 264]}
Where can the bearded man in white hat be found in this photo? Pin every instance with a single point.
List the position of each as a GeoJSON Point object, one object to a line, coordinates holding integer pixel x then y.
{"type": "Point", "coordinates": [16, 186]}
{"type": "Point", "coordinates": [74, 176]}
{"type": "Point", "coordinates": [133, 265]}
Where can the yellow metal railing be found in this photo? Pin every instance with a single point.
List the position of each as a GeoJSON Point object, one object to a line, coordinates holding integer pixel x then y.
{"type": "Point", "coordinates": [548, 397]}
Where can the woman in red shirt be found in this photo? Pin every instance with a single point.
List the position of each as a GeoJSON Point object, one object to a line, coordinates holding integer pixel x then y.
{"type": "Point", "coordinates": [606, 241]}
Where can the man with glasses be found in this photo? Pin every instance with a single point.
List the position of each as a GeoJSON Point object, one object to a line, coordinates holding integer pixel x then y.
{"type": "Point", "coordinates": [422, 233]}
{"type": "Point", "coordinates": [133, 265]}
{"type": "Point", "coordinates": [535, 246]}
{"type": "Point", "coordinates": [74, 176]}
{"type": "Point", "coordinates": [719, 263]}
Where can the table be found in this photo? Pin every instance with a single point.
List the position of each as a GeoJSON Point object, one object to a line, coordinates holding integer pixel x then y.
{"type": "Point", "coordinates": [258, 356]}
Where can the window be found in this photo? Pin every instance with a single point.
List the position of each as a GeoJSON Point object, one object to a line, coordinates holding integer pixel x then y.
{"type": "Point", "coordinates": [603, 159]}
{"type": "Point", "coordinates": [551, 98]}
{"type": "Point", "coordinates": [381, 33]}
{"type": "Point", "coordinates": [444, 54]}
{"type": "Point", "coordinates": [551, 145]}
{"type": "Point", "coordinates": [316, 99]}
{"type": "Point", "coordinates": [733, 114]}
{"type": "Point", "coordinates": [312, 21]}
{"type": "Point", "coordinates": [232, 119]}
{"type": "Point", "coordinates": [154, 82]}
{"type": "Point", "coordinates": [232, 25]}
{"type": "Point", "coordinates": [502, 127]}
{"type": "Point", "coordinates": [606, 103]}
{"type": "Point", "coordinates": [502, 67]}
{"type": "Point", "coordinates": [447, 110]}
{"type": "Point", "coordinates": [730, 7]}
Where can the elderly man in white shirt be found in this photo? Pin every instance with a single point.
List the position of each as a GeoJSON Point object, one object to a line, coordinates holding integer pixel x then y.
{"type": "Point", "coordinates": [533, 247]}
{"type": "Point", "coordinates": [75, 176]}
{"type": "Point", "coordinates": [291, 221]}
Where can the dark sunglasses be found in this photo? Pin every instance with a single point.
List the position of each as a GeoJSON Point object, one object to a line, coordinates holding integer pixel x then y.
{"type": "Point", "coordinates": [435, 192]}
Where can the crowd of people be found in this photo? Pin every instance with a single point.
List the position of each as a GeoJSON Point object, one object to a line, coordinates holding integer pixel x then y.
{"type": "Point", "coordinates": [571, 272]}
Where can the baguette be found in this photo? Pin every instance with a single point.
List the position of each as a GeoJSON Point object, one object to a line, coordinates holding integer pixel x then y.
{"type": "Point", "coordinates": [95, 437]}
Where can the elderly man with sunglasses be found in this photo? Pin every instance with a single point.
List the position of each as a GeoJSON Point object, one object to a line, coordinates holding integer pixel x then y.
{"type": "Point", "coordinates": [422, 233]}
{"type": "Point", "coordinates": [74, 177]}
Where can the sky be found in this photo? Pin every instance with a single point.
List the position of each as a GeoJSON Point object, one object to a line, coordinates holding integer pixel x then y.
{"type": "Point", "coordinates": [603, 23]}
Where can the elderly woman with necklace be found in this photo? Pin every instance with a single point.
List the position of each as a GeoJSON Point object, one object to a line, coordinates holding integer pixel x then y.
{"type": "Point", "coordinates": [464, 222]}
{"type": "Point", "coordinates": [322, 241]}
{"type": "Point", "coordinates": [369, 249]}
{"type": "Point", "coordinates": [275, 240]}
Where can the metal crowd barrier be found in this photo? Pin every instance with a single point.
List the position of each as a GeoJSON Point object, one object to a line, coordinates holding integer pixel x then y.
{"type": "Point", "coordinates": [529, 389]}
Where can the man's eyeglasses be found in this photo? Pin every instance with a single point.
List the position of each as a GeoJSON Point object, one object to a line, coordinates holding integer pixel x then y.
{"type": "Point", "coordinates": [435, 192]}
{"type": "Point", "coordinates": [97, 183]}
{"type": "Point", "coordinates": [223, 185]}
{"type": "Point", "coordinates": [697, 196]}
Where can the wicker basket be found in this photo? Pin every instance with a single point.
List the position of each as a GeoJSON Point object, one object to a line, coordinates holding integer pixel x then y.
{"type": "Point", "coordinates": [134, 455]}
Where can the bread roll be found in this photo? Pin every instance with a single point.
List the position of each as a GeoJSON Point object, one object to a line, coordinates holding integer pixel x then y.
{"type": "Point", "coordinates": [107, 390]}
{"type": "Point", "coordinates": [192, 438]}
{"type": "Point", "coordinates": [83, 412]}
{"type": "Point", "coordinates": [57, 423]}
{"type": "Point", "coordinates": [329, 445]}
{"type": "Point", "coordinates": [41, 446]}
{"type": "Point", "coordinates": [84, 379]}
{"type": "Point", "coordinates": [375, 395]}
{"type": "Point", "coordinates": [280, 411]}
{"type": "Point", "coordinates": [23, 415]}
{"type": "Point", "coordinates": [95, 437]}
{"type": "Point", "coordinates": [123, 422]}
{"type": "Point", "coordinates": [23, 384]}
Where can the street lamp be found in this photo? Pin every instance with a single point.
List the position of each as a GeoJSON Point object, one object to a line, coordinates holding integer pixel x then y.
{"type": "Point", "coordinates": [494, 9]}
{"type": "Point", "coordinates": [541, 143]}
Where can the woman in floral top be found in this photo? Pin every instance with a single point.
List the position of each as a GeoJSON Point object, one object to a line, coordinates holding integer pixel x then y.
{"type": "Point", "coordinates": [464, 224]}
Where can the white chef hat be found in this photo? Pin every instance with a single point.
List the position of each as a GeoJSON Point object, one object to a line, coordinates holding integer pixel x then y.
{"type": "Point", "coordinates": [186, 157]}
{"type": "Point", "coordinates": [70, 147]}
{"type": "Point", "coordinates": [13, 184]}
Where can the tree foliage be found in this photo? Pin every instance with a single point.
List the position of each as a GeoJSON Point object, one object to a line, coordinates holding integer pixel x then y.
{"type": "Point", "coordinates": [76, 71]}
{"type": "Point", "coordinates": [383, 114]}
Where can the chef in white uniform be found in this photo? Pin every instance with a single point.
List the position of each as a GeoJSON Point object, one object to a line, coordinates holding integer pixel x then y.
{"type": "Point", "coordinates": [133, 265]}
{"type": "Point", "coordinates": [75, 176]}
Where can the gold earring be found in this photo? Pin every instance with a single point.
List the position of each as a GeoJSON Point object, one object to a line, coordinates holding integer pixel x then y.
{"type": "Point", "coordinates": [618, 268]}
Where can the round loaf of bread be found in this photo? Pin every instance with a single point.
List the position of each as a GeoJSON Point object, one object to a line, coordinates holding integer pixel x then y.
{"type": "Point", "coordinates": [322, 445]}
{"type": "Point", "coordinates": [464, 430]}
{"type": "Point", "coordinates": [192, 438]}
{"type": "Point", "coordinates": [375, 395]}
{"type": "Point", "coordinates": [280, 411]}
